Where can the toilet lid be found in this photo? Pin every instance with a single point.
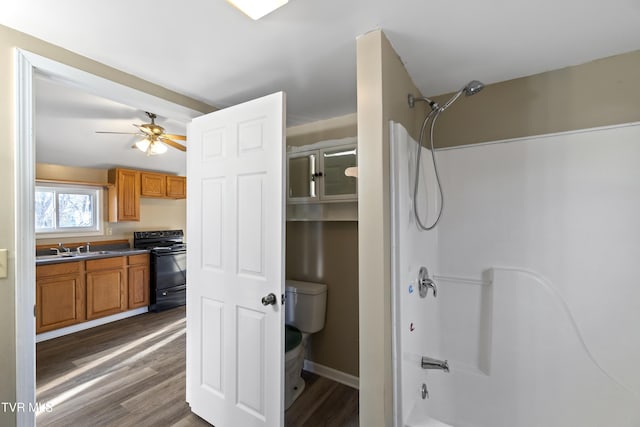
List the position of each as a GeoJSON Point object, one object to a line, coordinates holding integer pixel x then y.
{"type": "Point", "coordinates": [292, 338]}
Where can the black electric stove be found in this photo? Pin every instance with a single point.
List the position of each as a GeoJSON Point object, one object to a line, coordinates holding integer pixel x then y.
{"type": "Point", "coordinates": [168, 264]}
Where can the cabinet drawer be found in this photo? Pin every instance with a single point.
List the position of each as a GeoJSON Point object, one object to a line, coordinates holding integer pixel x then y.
{"type": "Point", "coordinates": [58, 269]}
{"type": "Point", "coordinates": [106, 263]}
{"type": "Point", "coordinates": [139, 259]}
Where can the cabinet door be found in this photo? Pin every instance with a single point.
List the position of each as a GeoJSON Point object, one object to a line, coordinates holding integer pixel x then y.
{"type": "Point", "coordinates": [60, 301]}
{"type": "Point", "coordinates": [128, 185]}
{"type": "Point", "coordinates": [335, 185]}
{"type": "Point", "coordinates": [302, 176]}
{"type": "Point", "coordinates": [138, 281]}
{"type": "Point", "coordinates": [176, 187]}
{"type": "Point", "coordinates": [106, 293]}
{"type": "Point", "coordinates": [153, 184]}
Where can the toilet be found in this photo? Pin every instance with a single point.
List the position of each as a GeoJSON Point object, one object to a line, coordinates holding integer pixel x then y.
{"type": "Point", "coordinates": [305, 309]}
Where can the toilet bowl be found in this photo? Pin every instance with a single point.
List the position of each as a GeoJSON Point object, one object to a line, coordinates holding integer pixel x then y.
{"type": "Point", "coordinates": [293, 362]}
{"type": "Point", "coordinates": [305, 308]}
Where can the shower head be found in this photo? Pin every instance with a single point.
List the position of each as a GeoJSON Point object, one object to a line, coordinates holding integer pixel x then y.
{"type": "Point", "coordinates": [473, 87]}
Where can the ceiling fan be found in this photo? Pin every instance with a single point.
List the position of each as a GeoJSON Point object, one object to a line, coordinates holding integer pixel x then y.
{"type": "Point", "coordinates": [155, 140]}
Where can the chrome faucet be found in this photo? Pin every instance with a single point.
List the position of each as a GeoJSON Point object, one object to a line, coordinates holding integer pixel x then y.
{"type": "Point", "coordinates": [62, 248]}
{"type": "Point", "coordinates": [429, 363]}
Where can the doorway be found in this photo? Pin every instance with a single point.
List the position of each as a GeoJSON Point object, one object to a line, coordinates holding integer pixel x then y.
{"type": "Point", "coordinates": [27, 64]}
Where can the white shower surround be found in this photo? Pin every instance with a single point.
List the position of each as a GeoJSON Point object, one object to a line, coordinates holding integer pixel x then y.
{"type": "Point", "coordinates": [536, 263]}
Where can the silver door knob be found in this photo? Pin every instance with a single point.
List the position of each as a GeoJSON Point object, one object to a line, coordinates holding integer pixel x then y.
{"type": "Point", "coordinates": [270, 299]}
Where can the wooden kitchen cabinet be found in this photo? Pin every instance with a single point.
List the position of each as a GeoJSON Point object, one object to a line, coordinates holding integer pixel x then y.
{"type": "Point", "coordinates": [153, 184]}
{"type": "Point", "coordinates": [106, 283]}
{"type": "Point", "coordinates": [138, 280]}
{"type": "Point", "coordinates": [176, 187]}
{"type": "Point", "coordinates": [125, 206]}
{"type": "Point", "coordinates": [60, 295]}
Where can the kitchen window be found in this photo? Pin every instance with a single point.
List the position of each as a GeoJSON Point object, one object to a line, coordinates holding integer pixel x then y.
{"type": "Point", "coordinates": [67, 210]}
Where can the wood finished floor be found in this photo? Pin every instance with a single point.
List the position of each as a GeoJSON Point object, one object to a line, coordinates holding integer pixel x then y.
{"type": "Point", "coordinates": [132, 373]}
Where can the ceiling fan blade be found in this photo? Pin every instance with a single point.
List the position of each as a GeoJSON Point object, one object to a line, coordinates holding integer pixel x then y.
{"type": "Point", "coordinates": [145, 130]}
{"type": "Point", "coordinates": [173, 144]}
{"type": "Point", "coordinates": [174, 136]}
{"type": "Point", "coordinates": [120, 133]}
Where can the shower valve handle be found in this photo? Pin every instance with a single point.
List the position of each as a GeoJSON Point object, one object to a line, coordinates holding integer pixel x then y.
{"type": "Point", "coordinates": [424, 283]}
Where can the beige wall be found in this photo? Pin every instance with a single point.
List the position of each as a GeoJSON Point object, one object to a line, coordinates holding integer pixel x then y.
{"type": "Point", "coordinates": [10, 39]}
{"type": "Point", "coordinates": [383, 85]}
{"type": "Point", "coordinates": [155, 214]}
{"type": "Point", "coordinates": [334, 128]}
{"type": "Point", "coordinates": [327, 252]}
{"type": "Point", "coordinates": [599, 93]}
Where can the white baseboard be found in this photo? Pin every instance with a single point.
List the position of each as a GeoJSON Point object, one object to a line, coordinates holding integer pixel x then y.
{"type": "Point", "coordinates": [44, 336]}
{"type": "Point", "coordinates": [332, 374]}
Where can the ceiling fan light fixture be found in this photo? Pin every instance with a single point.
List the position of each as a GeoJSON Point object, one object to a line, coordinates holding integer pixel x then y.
{"type": "Point", "coordinates": [157, 147]}
{"type": "Point", "coordinates": [143, 145]}
{"type": "Point", "coordinates": [256, 9]}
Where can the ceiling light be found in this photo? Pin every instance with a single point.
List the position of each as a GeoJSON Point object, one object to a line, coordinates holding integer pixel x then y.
{"type": "Point", "coordinates": [157, 147]}
{"type": "Point", "coordinates": [256, 9]}
{"type": "Point", "coordinates": [143, 144]}
{"type": "Point", "coordinates": [151, 147]}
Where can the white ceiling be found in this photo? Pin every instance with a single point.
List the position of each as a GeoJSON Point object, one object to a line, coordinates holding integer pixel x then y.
{"type": "Point", "coordinates": [210, 51]}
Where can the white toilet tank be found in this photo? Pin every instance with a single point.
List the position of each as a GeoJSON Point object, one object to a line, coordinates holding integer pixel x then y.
{"type": "Point", "coordinates": [306, 305]}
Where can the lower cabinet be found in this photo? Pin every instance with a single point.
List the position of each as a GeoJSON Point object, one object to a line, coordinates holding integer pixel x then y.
{"type": "Point", "coordinates": [138, 281]}
{"type": "Point", "coordinates": [60, 295]}
{"type": "Point", "coordinates": [106, 287]}
{"type": "Point", "coordinates": [73, 292]}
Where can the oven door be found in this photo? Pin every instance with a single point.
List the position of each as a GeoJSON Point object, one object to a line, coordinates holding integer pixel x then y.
{"type": "Point", "coordinates": [168, 269]}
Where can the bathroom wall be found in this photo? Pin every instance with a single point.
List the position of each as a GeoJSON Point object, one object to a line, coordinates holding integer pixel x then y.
{"type": "Point", "coordinates": [383, 85]}
{"type": "Point", "coordinates": [155, 214]}
{"type": "Point", "coordinates": [599, 93]}
{"type": "Point", "coordinates": [327, 252]}
{"type": "Point", "coordinates": [10, 39]}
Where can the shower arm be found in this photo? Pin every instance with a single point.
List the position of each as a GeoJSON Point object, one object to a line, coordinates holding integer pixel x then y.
{"type": "Point", "coordinates": [412, 102]}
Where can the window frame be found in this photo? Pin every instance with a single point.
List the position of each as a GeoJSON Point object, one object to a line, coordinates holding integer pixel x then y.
{"type": "Point", "coordinates": [96, 230]}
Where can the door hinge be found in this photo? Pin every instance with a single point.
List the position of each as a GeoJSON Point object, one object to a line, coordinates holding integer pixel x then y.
{"type": "Point", "coordinates": [35, 308]}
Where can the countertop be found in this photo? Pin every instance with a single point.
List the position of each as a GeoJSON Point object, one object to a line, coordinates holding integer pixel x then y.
{"type": "Point", "coordinates": [74, 256]}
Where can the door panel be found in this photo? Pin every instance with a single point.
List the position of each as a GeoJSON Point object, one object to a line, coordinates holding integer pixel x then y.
{"type": "Point", "coordinates": [235, 207]}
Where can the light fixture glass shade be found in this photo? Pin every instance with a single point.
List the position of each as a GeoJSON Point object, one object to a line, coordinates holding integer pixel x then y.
{"type": "Point", "coordinates": [256, 9]}
{"type": "Point", "coordinates": [157, 147]}
{"type": "Point", "coordinates": [143, 144]}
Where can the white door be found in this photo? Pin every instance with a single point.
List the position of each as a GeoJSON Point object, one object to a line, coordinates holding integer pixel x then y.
{"type": "Point", "coordinates": [235, 228]}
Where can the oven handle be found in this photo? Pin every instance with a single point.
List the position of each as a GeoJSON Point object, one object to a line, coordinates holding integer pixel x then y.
{"type": "Point", "coordinates": [168, 253]}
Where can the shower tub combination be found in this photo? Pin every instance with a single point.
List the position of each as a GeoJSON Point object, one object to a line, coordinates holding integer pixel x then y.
{"type": "Point", "coordinates": [535, 266]}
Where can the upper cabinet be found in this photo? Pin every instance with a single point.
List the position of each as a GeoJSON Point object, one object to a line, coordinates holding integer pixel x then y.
{"type": "Point", "coordinates": [176, 187]}
{"type": "Point", "coordinates": [129, 185]}
{"type": "Point", "coordinates": [155, 184]}
{"type": "Point", "coordinates": [125, 206]}
{"type": "Point", "coordinates": [317, 174]}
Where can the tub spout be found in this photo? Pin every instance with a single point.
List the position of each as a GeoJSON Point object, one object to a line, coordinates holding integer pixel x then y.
{"type": "Point", "coordinates": [429, 363]}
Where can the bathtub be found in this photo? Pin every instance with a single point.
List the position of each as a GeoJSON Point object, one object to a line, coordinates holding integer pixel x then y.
{"type": "Point", "coordinates": [530, 341]}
